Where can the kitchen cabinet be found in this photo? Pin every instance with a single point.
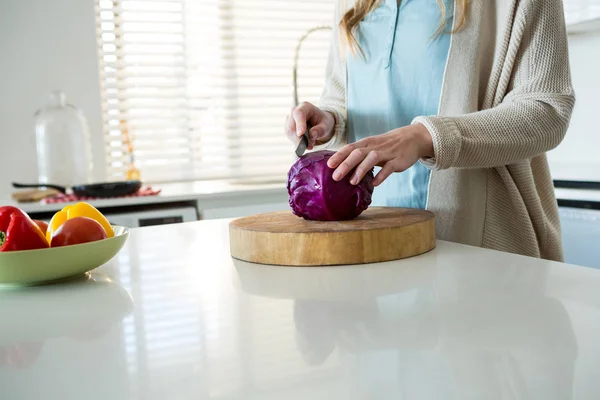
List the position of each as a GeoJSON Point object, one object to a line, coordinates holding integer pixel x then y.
{"type": "Point", "coordinates": [581, 235]}
{"type": "Point", "coordinates": [579, 211]}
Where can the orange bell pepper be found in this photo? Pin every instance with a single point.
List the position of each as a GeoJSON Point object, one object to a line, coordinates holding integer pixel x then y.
{"type": "Point", "coordinates": [78, 210]}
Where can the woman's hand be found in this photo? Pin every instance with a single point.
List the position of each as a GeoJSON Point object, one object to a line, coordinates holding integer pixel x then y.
{"type": "Point", "coordinates": [395, 151]}
{"type": "Point", "coordinates": [321, 122]}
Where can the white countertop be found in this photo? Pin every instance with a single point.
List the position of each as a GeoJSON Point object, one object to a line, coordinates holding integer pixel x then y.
{"type": "Point", "coordinates": [212, 193]}
{"type": "Point", "coordinates": [207, 191]}
{"type": "Point", "coordinates": [174, 317]}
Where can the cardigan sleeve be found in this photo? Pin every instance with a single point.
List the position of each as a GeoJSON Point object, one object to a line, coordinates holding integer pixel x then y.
{"type": "Point", "coordinates": [333, 98]}
{"type": "Point", "coordinates": [532, 118]}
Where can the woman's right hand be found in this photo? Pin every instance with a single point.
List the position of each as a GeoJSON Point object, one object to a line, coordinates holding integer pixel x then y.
{"type": "Point", "coordinates": [321, 122]}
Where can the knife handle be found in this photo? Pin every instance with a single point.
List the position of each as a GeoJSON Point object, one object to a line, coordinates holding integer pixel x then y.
{"type": "Point", "coordinates": [306, 136]}
{"type": "Point", "coordinates": [303, 144]}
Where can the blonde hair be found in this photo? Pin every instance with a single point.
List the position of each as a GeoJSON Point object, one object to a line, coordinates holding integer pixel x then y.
{"type": "Point", "coordinates": [351, 20]}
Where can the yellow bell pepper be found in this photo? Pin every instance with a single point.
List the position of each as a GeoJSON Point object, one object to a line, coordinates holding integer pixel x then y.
{"type": "Point", "coordinates": [57, 220]}
{"type": "Point", "coordinates": [78, 210]}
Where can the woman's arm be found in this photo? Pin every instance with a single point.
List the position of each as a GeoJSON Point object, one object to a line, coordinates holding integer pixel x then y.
{"type": "Point", "coordinates": [532, 119]}
{"type": "Point", "coordinates": [333, 99]}
{"type": "Point", "coordinates": [328, 121]}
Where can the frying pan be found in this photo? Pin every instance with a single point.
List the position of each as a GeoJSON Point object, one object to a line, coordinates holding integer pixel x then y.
{"type": "Point", "coordinates": [107, 189]}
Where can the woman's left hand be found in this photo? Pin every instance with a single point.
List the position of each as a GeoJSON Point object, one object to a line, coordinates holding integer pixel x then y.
{"type": "Point", "coordinates": [395, 151]}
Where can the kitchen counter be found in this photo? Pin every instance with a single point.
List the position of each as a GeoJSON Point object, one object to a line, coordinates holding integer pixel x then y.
{"type": "Point", "coordinates": [174, 317]}
{"type": "Point", "coordinates": [209, 194]}
{"type": "Point", "coordinates": [234, 195]}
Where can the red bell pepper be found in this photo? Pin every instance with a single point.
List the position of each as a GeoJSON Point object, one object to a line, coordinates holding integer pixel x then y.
{"type": "Point", "coordinates": [19, 232]}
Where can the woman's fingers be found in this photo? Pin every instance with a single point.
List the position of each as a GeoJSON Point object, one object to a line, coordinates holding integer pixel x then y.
{"type": "Point", "coordinates": [298, 121]}
{"type": "Point", "coordinates": [349, 163]}
{"type": "Point", "coordinates": [336, 159]}
{"type": "Point", "coordinates": [302, 114]}
{"type": "Point", "coordinates": [344, 153]}
{"type": "Point", "coordinates": [313, 136]}
{"type": "Point", "coordinates": [306, 115]}
{"type": "Point", "coordinates": [300, 118]}
{"type": "Point", "coordinates": [384, 173]}
{"type": "Point", "coordinates": [372, 159]}
{"type": "Point", "coordinates": [395, 151]}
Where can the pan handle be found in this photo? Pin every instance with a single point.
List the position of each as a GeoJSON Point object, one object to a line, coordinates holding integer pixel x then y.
{"type": "Point", "coordinates": [61, 189]}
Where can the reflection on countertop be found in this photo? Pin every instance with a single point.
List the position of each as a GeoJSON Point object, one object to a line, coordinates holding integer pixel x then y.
{"type": "Point", "coordinates": [479, 330]}
{"type": "Point", "coordinates": [456, 323]}
{"type": "Point", "coordinates": [49, 329]}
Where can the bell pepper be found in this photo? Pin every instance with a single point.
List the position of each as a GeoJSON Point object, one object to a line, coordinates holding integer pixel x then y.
{"type": "Point", "coordinates": [19, 232]}
{"type": "Point", "coordinates": [78, 210]}
{"type": "Point", "coordinates": [57, 220]}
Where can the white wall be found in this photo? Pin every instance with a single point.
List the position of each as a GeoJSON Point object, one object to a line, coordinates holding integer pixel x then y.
{"type": "Point", "coordinates": [44, 45]}
{"type": "Point", "coordinates": [577, 157]}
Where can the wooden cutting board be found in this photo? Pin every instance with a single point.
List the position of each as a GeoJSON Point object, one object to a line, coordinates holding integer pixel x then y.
{"type": "Point", "coordinates": [379, 234]}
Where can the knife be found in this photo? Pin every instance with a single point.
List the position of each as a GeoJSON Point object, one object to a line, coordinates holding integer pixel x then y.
{"type": "Point", "coordinates": [303, 145]}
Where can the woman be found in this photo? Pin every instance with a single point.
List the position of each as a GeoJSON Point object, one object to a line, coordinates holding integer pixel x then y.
{"type": "Point", "coordinates": [457, 101]}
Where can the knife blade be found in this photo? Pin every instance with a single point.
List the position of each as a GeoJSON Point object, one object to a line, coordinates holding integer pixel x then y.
{"type": "Point", "coordinates": [303, 145]}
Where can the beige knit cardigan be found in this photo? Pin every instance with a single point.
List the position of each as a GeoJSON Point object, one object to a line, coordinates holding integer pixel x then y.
{"type": "Point", "coordinates": [506, 100]}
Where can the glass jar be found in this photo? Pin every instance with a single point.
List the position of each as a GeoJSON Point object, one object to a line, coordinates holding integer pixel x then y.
{"type": "Point", "coordinates": [64, 151]}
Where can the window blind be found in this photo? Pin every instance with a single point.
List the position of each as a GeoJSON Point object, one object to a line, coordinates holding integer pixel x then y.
{"type": "Point", "coordinates": [200, 89]}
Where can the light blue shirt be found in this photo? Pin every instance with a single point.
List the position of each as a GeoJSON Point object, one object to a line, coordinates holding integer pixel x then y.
{"type": "Point", "coordinates": [399, 78]}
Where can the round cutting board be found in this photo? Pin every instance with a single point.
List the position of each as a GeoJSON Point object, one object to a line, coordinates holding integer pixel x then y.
{"type": "Point", "coordinates": [379, 234]}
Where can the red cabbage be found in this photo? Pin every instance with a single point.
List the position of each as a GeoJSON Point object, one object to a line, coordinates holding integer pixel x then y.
{"type": "Point", "coordinates": [314, 195]}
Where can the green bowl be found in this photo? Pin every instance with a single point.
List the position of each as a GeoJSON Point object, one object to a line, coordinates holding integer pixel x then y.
{"type": "Point", "coordinates": [33, 267]}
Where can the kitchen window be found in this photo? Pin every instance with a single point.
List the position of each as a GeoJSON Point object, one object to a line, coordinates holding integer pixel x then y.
{"type": "Point", "coordinates": [577, 11]}
{"type": "Point", "coordinates": [200, 89]}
